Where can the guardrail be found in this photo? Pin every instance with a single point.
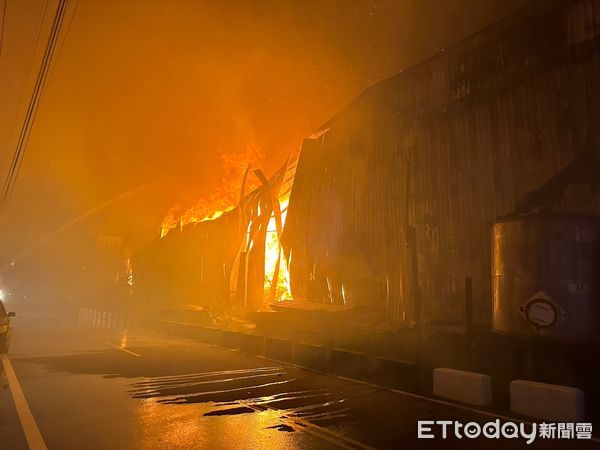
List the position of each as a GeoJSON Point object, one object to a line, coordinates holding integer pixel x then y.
{"type": "Point", "coordinates": [94, 318]}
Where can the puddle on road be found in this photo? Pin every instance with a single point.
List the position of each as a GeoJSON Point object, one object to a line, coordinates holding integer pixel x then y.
{"type": "Point", "coordinates": [282, 427]}
{"type": "Point", "coordinates": [230, 412]}
{"type": "Point", "coordinates": [247, 391]}
{"type": "Point", "coordinates": [232, 393]}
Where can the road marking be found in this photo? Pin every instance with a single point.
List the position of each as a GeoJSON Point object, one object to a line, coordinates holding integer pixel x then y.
{"type": "Point", "coordinates": [35, 441]}
{"type": "Point", "coordinates": [118, 347]}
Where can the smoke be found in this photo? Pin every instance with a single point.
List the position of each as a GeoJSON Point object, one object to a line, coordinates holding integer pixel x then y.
{"type": "Point", "coordinates": [149, 91]}
{"type": "Point", "coordinates": [224, 197]}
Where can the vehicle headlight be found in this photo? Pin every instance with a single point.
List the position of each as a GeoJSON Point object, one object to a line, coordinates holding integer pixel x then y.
{"type": "Point", "coordinates": [3, 329]}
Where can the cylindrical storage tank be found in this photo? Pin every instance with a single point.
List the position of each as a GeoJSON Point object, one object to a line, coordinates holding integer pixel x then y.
{"type": "Point", "coordinates": [546, 276]}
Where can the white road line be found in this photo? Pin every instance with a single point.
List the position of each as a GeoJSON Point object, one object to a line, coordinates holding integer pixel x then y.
{"type": "Point", "coordinates": [122, 349]}
{"type": "Point", "coordinates": [35, 441]}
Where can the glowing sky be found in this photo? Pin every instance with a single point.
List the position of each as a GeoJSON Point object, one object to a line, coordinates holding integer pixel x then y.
{"type": "Point", "coordinates": [147, 91]}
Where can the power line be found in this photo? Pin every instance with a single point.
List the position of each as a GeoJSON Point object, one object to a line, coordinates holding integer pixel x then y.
{"type": "Point", "coordinates": [63, 40]}
{"type": "Point", "coordinates": [3, 23]}
{"type": "Point", "coordinates": [53, 39]}
{"type": "Point", "coordinates": [34, 102]}
{"type": "Point", "coordinates": [32, 51]}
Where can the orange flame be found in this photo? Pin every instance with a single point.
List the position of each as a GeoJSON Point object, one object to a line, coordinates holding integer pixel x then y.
{"type": "Point", "coordinates": [273, 252]}
{"type": "Point", "coordinates": [223, 199]}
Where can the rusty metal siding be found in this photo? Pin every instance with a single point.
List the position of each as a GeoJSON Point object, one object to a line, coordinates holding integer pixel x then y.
{"type": "Point", "coordinates": [446, 147]}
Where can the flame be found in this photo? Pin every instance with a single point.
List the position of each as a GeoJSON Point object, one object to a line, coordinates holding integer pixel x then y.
{"type": "Point", "coordinates": [273, 252]}
{"type": "Point", "coordinates": [224, 198]}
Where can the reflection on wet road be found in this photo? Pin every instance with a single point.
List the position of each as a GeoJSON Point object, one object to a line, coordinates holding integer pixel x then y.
{"type": "Point", "coordinates": [173, 394]}
{"type": "Point", "coordinates": [246, 390]}
{"type": "Point", "coordinates": [152, 391]}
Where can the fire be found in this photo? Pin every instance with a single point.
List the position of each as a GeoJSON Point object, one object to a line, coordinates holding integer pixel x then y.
{"type": "Point", "coordinates": [226, 198]}
{"type": "Point", "coordinates": [273, 253]}
{"type": "Point", "coordinates": [223, 199]}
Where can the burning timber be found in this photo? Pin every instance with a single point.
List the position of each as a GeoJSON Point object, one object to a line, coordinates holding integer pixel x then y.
{"type": "Point", "coordinates": [231, 260]}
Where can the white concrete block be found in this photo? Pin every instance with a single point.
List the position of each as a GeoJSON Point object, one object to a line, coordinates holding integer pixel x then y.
{"type": "Point", "coordinates": [547, 401]}
{"type": "Point", "coordinates": [462, 386]}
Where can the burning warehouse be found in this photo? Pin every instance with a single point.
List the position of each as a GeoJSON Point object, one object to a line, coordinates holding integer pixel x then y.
{"type": "Point", "coordinates": [454, 199]}
{"type": "Point", "coordinates": [448, 216]}
{"type": "Point", "coordinates": [426, 261]}
{"type": "Point", "coordinates": [393, 199]}
{"type": "Point", "coordinates": [231, 258]}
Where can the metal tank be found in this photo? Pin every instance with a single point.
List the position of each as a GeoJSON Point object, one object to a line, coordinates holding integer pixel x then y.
{"type": "Point", "coordinates": [546, 276]}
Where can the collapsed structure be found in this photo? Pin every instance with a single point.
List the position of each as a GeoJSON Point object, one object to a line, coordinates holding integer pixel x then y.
{"type": "Point", "coordinates": [392, 199]}
{"type": "Point", "coordinates": [233, 260]}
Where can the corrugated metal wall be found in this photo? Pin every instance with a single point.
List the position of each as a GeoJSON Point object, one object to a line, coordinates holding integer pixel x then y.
{"type": "Point", "coordinates": [446, 147]}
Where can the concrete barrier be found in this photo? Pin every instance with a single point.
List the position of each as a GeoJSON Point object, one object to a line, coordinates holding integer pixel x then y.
{"type": "Point", "coordinates": [462, 386]}
{"type": "Point", "coordinates": [195, 332]}
{"type": "Point", "coordinates": [280, 349]}
{"type": "Point", "coordinates": [213, 336]}
{"type": "Point", "coordinates": [396, 373]}
{"type": "Point", "coordinates": [252, 343]}
{"type": "Point", "coordinates": [547, 401]}
{"type": "Point", "coordinates": [349, 363]}
{"type": "Point", "coordinates": [312, 356]}
{"type": "Point", "coordinates": [230, 339]}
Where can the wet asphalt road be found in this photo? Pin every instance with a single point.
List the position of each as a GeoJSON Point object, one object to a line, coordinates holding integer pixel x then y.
{"type": "Point", "coordinates": [97, 389]}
